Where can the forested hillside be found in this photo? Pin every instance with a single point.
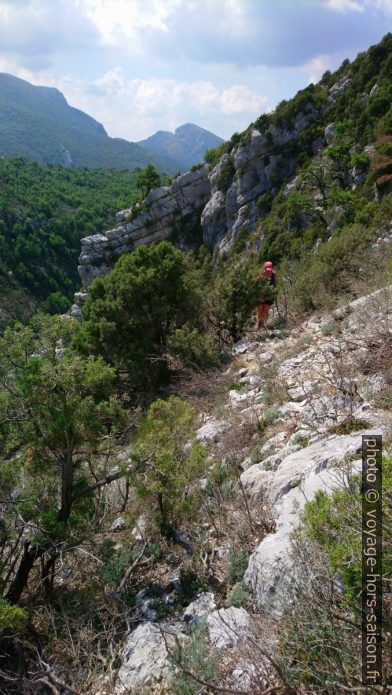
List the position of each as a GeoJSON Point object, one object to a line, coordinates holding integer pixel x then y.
{"type": "Point", "coordinates": [38, 123]}
{"type": "Point", "coordinates": [181, 499]}
{"type": "Point", "coordinates": [187, 145]}
{"type": "Point", "coordinates": [44, 212]}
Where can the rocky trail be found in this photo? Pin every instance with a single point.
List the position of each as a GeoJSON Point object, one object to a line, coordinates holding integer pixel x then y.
{"type": "Point", "coordinates": [304, 397]}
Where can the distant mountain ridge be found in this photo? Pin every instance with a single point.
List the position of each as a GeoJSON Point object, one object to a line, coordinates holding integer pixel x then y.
{"type": "Point", "coordinates": [38, 123]}
{"type": "Point", "coordinates": [186, 145]}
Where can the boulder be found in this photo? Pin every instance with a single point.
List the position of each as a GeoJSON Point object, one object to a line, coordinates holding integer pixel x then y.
{"type": "Point", "coordinates": [228, 627]}
{"type": "Point", "coordinates": [329, 133]}
{"type": "Point", "coordinates": [296, 481]}
{"type": "Point", "coordinates": [118, 524]}
{"type": "Point", "coordinates": [202, 606]}
{"type": "Point", "coordinates": [212, 430]}
{"type": "Point", "coordinates": [145, 659]}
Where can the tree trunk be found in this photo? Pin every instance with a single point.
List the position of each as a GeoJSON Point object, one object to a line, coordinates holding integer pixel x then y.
{"type": "Point", "coordinates": [17, 586]}
{"type": "Point", "coordinates": [66, 486]}
{"type": "Point", "coordinates": [32, 553]}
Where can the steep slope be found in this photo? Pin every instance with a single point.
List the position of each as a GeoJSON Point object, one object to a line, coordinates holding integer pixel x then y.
{"type": "Point", "coordinates": [38, 123]}
{"type": "Point", "coordinates": [309, 447]}
{"type": "Point", "coordinates": [44, 211]}
{"type": "Point", "coordinates": [294, 179]}
{"type": "Point", "coordinates": [187, 145]}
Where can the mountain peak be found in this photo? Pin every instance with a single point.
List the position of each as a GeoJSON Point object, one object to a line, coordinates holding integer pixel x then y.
{"type": "Point", "coordinates": [38, 123]}
{"type": "Point", "coordinates": [187, 145]}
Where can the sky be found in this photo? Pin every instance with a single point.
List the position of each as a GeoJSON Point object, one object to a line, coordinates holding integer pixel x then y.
{"type": "Point", "coordinates": [139, 66]}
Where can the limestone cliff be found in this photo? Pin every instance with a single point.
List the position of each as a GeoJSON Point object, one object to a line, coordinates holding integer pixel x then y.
{"type": "Point", "coordinates": [212, 205]}
{"type": "Point", "coordinates": [204, 206]}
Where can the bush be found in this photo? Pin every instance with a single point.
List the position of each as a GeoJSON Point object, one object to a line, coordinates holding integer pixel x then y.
{"type": "Point", "coordinates": [334, 522]}
{"type": "Point", "coordinates": [327, 553]}
{"type": "Point", "coordinates": [238, 597]}
{"type": "Point", "coordinates": [132, 311]}
{"type": "Point", "coordinates": [226, 174]}
{"type": "Point", "coordinates": [170, 463]}
{"type": "Point", "coordinates": [238, 562]}
{"type": "Point", "coordinates": [193, 347]}
{"type": "Point", "coordinates": [234, 296]}
{"type": "Point", "coordinates": [195, 658]}
{"type": "Point", "coordinates": [13, 619]}
{"type": "Point", "coordinates": [57, 303]}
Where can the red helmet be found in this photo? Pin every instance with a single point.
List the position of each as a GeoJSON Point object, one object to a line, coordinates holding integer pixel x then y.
{"type": "Point", "coordinates": [268, 265]}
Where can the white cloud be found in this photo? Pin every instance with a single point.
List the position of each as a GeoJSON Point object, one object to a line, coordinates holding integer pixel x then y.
{"type": "Point", "coordinates": [346, 5]}
{"type": "Point", "coordinates": [361, 5]}
{"type": "Point", "coordinates": [134, 108]}
{"type": "Point", "coordinates": [118, 20]}
{"type": "Point", "coordinates": [385, 5]}
{"type": "Point", "coordinates": [316, 67]}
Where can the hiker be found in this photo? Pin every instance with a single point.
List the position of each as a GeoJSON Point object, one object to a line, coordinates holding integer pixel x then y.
{"type": "Point", "coordinates": [269, 281]}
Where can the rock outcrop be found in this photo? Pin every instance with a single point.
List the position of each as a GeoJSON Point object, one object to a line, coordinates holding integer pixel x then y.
{"type": "Point", "coordinates": [203, 206]}
{"type": "Point", "coordinates": [145, 659]}
{"type": "Point", "coordinates": [297, 480]}
{"type": "Point", "coordinates": [171, 212]}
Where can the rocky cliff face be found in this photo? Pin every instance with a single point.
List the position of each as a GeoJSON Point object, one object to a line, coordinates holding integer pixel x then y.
{"type": "Point", "coordinates": [203, 206]}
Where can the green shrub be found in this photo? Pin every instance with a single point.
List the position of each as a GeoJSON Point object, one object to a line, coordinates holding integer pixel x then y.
{"type": "Point", "coordinates": [193, 347]}
{"type": "Point", "coordinates": [238, 597]}
{"type": "Point", "coordinates": [13, 619]}
{"type": "Point", "coordinates": [170, 463]}
{"type": "Point", "coordinates": [264, 203]}
{"type": "Point", "coordinates": [350, 424]}
{"type": "Point", "coordinates": [237, 564]}
{"type": "Point", "coordinates": [234, 296]}
{"type": "Point", "coordinates": [270, 415]}
{"type": "Point", "coordinates": [327, 328]}
{"type": "Point", "coordinates": [132, 312]}
{"type": "Point", "coordinates": [334, 522]}
{"type": "Point", "coordinates": [226, 174]}
{"type": "Point", "coordinates": [196, 659]}
{"type": "Point", "coordinates": [57, 303]}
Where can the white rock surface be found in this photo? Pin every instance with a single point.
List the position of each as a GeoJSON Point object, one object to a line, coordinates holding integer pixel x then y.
{"type": "Point", "coordinates": [296, 481]}
{"type": "Point", "coordinates": [145, 659]}
{"type": "Point", "coordinates": [228, 627]}
{"type": "Point", "coordinates": [203, 605]}
{"type": "Point", "coordinates": [212, 430]}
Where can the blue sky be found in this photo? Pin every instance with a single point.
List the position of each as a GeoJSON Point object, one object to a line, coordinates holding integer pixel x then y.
{"type": "Point", "coordinates": [138, 66]}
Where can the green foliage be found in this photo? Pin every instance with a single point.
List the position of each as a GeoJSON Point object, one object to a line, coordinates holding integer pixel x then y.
{"type": "Point", "coordinates": [360, 160]}
{"type": "Point", "coordinates": [56, 409]}
{"type": "Point", "coordinates": [213, 155]}
{"type": "Point", "coordinates": [148, 179]}
{"type": "Point", "coordinates": [270, 415]}
{"type": "Point", "coordinates": [191, 584]}
{"type": "Point", "coordinates": [225, 174]}
{"type": "Point", "coordinates": [327, 272]}
{"type": "Point", "coordinates": [238, 597]}
{"type": "Point", "coordinates": [334, 522]}
{"type": "Point", "coordinates": [303, 102]}
{"type": "Point", "coordinates": [37, 122]}
{"type": "Point", "coordinates": [263, 203]}
{"type": "Point", "coordinates": [57, 303]}
{"type": "Point", "coordinates": [196, 659]}
{"type": "Point", "coordinates": [234, 295]}
{"type": "Point", "coordinates": [237, 564]}
{"type": "Point", "coordinates": [44, 212]}
{"type": "Point", "coordinates": [350, 424]}
{"type": "Point", "coordinates": [171, 461]}
{"type": "Point", "coordinates": [115, 561]}
{"type": "Point", "coordinates": [13, 619]}
{"type": "Point", "coordinates": [133, 311]}
{"type": "Point", "coordinates": [193, 347]}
